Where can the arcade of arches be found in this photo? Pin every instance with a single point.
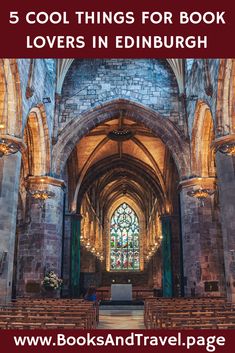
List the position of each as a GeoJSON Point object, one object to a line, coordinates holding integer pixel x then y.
{"type": "Point", "coordinates": [122, 150]}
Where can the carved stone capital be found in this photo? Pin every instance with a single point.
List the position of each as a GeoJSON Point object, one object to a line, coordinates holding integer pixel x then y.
{"type": "Point", "coordinates": [204, 183]}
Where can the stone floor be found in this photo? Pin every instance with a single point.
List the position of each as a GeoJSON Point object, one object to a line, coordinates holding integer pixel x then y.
{"type": "Point", "coordinates": [121, 319]}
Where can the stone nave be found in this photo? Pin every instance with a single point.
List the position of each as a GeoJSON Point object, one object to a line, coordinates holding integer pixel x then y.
{"type": "Point", "coordinates": [117, 171]}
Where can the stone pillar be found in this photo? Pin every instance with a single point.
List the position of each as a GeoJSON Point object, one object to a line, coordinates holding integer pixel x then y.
{"type": "Point", "coordinates": [177, 278]}
{"type": "Point", "coordinates": [201, 241]}
{"type": "Point", "coordinates": [226, 183]}
{"type": "Point", "coordinates": [155, 274]}
{"type": "Point", "coordinates": [183, 119]}
{"type": "Point", "coordinates": [56, 118]}
{"type": "Point", "coordinates": [9, 188]}
{"type": "Point", "coordinates": [166, 256]}
{"type": "Point", "coordinates": [66, 255]}
{"type": "Point", "coordinates": [75, 256]}
{"type": "Point", "coordinates": [40, 247]}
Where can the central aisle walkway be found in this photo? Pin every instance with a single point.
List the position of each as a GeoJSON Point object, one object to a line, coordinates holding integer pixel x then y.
{"type": "Point", "coordinates": [121, 319]}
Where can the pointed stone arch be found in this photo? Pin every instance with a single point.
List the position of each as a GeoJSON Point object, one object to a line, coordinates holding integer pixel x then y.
{"type": "Point", "coordinates": [36, 135]}
{"type": "Point", "coordinates": [161, 127]}
{"type": "Point", "coordinates": [202, 136]}
{"type": "Point", "coordinates": [10, 98]}
{"type": "Point", "coordinates": [225, 112]}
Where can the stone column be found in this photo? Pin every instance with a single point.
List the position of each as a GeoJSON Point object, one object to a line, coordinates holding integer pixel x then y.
{"type": "Point", "coordinates": [166, 256]}
{"type": "Point", "coordinates": [40, 247]}
{"type": "Point", "coordinates": [183, 119]}
{"type": "Point", "coordinates": [75, 256]}
{"type": "Point", "coordinates": [67, 254]}
{"type": "Point", "coordinates": [9, 188]}
{"type": "Point", "coordinates": [226, 183]}
{"type": "Point", "coordinates": [56, 118]}
{"type": "Point", "coordinates": [155, 275]}
{"type": "Point", "coordinates": [177, 278]}
{"type": "Point", "coordinates": [201, 241]}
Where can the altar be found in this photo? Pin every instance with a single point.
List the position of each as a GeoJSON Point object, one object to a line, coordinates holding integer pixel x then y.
{"type": "Point", "coordinates": [121, 292]}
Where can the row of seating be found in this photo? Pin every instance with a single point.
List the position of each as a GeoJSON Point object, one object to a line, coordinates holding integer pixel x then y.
{"type": "Point", "coordinates": [49, 314]}
{"type": "Point", "coordinates": [189, 313]}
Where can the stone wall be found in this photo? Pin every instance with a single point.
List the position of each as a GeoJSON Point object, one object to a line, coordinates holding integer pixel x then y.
{"type": "Point", "coordinates": [202, 244]}
{"type": "Point", "coordinates": [195, 84]}
{"type": "Point", "coordinates": [92, 82]}
{"type": "Point", "coordinates": [226, 177]}
{"type": "Point", "coordinates": [9, 184]}
{"type": "Point", "coordinates": [137, 279]}
{"type": "Point", "coordinates": [40, 244]}
{"type": "Point", "coordinates": [43, 86]}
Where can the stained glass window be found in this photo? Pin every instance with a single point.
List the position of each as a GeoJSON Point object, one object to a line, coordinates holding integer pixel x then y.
{"type": "Point", "coordinates": [124, 239]}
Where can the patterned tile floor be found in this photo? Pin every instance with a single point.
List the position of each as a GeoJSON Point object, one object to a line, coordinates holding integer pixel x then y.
{"type": "Point", "coordinates": [121, 319]}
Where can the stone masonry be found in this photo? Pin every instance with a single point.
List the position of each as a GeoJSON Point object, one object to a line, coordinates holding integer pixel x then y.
{"type": "Point", "coordinates": [90, 83]}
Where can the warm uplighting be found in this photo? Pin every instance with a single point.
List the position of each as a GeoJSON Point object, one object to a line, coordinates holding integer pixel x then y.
{"type": "Point", "coordinates": [152, 251]}
{"type": "Point", "coordinates": [8, 147]}
{"type": "Point", "coordinates": [227, 148]}
{"type": "Point", "coordinates": [88, 245]}
{"type": "Point", "coordinates": [201, 194]}
{"type": "Point", "coordinates": [41, 194]}
{"type": "Point", "coordinates": [91, 248]}
{"type": "Point", "coordinates": [100, 256]}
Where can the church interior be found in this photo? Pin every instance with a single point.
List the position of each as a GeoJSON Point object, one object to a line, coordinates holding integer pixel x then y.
{"type": "Point", "coordinates": [118, 174]}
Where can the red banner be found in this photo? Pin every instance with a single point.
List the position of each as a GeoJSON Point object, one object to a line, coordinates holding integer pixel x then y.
{"type": "Point", "coordinates": [108, 29]}
{"type": "Point", "coordinates": [34, 341]}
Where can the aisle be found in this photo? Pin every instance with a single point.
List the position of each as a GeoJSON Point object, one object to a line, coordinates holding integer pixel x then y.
{"type": "Point", "coordinates": [121, 319]}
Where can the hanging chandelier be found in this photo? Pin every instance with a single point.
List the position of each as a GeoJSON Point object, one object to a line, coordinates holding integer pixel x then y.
{"type": "Point", "coordinates": [8, 147]}
{"type": "Point", "coordinates": [201, 194]}
{"type": "Point", "coordinates": [120, 135]}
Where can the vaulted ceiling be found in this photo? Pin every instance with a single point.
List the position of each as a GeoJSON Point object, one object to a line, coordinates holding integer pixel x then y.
{"type": "Point", "coordinates": [121, 157]}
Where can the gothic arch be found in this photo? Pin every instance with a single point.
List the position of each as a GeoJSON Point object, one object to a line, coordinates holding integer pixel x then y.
{"type": "Point", "coordinates": [113, 163]}
{"type": "Point", "coordinates": [10, 98]}
{"type": "Point", "coordinates": [202, 137]}
{"type": "Point", "coordinates": [37, 157]}
{"type": "Point", "coordinates": [225, 112]}
{"type": "Point", "coordinates": [161, 127]}
{"type": "Point", "coordinates": [132, 190]}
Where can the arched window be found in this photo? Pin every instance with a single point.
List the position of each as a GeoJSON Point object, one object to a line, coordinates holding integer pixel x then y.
{"type": "Point", "coordinates": [124, 239]}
